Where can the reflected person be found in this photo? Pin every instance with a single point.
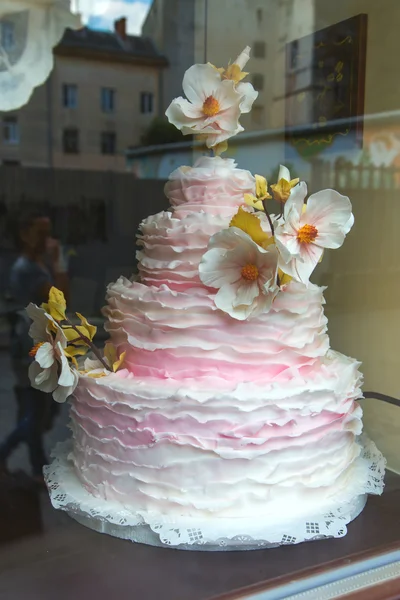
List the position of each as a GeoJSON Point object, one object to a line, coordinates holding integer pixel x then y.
{"type": "Point", "coordinates": [40, 265]}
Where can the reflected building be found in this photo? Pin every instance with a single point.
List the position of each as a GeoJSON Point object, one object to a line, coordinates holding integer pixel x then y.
{"type": "Point", "coordinates": [101, 97]}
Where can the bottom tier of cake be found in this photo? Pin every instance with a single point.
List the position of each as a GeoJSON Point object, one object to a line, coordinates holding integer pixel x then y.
{"type": "Point", "coordinates": [206, 533]}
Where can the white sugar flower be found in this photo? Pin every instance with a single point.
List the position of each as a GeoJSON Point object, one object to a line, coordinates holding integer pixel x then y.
{"type": "Point", "coordinates": [50, 371]}
{"type": "Point", "coordinates": [213, 106]}
{"type": "Point", "coordinates": [307, 229]}
{"type": "Point", "coordinates": [244, 273]}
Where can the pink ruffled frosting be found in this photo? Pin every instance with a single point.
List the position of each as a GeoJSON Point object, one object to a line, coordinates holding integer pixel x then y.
{"type": "Point", "coordinates": [211, 415]}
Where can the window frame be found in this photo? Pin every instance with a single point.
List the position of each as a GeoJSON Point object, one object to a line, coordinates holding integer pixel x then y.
{"type": "Point", "coordinates": [107, 106]}
{"type": "Point", "coordinates": [260, 78]}
{"type": "Point", "coordinates": [72, 149]}
{"type": "Point", "coordinates": [66, 96]}
{"type": "Point", "coordinates": [105, 138]}
{"type": "Point", "coordinates": [146, 103]}
{"type": "Point", "coordinates": [11, 125]}
{"type": "Point", "coordinates": [259, 49]}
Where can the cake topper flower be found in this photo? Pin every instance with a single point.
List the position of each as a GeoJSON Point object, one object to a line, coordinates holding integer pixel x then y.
{"type": "Point", "coordinates": [57, 343]}
{"type": "Point", "coordinates": [307, 229]}
{"type": "Point", "coordinates": [215, 100]}
{"type": "Point", "coordinates": [244, 273]}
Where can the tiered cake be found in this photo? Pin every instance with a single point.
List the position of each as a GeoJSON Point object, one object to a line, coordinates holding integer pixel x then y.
{"type": "Point", "coordinates": [230, 416]}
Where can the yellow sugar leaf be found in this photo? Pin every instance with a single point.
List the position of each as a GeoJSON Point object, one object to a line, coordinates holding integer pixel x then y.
{"type": "Point", "coordinates": [219, 69]}
{"type": "Point", "coordinates": [94, 374]}
{"type": "Point", "coordinates": [250, 224]}
{"type": "Point", "coordinates": [73, 337]}
{"type": "Point", "coordinates": [284, 278]}
{"type": "Point", "coordinates": [235, 73]}
{"type": "Point", "coordinates": [262, 187]}
{"type": "Point", "coordinates": [281, 190]}
{"type": "Point", "coordinates": [268, 242]}
{"type": "Point", "coordinates": [71, 351]}
{"type": "Point", "coordinates": [253, 201]}
{"type": "Point", "coordinates": [56, 305]}
{"type": "Point", "coordinates": [118, 363]}
{"type": "Point", "coordinates": [110, 353]}
{"type": "Point", "coordinates": [90, 329]}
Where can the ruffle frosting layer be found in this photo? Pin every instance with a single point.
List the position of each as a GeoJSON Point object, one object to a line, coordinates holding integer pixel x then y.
{"type": "Point", "coordinates": [160, 445]}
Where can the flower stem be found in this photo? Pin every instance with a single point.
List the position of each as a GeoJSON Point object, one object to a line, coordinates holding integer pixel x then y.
{"type": "Point", "coordinates": [273, 233]}
{"type": "Point", "coordinates": [268, 217]}
{"type": "Point", "coordinates": [87, 341]}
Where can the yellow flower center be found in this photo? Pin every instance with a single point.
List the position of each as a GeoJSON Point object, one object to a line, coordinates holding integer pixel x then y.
{"type": "Point", "coordinates": [250, 272]}
{"type": "Point", "coordinates": [307, 234]}
{"type": "Point", "coordinates": [210, 106]}
{"type": "Point", "coordinates": [35, 348]}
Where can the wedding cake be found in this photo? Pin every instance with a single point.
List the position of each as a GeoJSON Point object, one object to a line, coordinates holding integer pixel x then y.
{"type": "Point", "coordinates": [225, 420]}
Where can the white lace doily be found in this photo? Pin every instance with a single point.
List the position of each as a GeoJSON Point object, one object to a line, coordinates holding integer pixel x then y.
{"type": "Point", "coordinates": [188, 533]}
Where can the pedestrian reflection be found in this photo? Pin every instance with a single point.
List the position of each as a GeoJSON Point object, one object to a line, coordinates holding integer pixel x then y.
{"type": "Point", "coordinates": [41, 263]}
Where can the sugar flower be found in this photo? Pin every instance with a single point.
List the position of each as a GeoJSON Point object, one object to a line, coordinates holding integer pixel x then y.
{"type": "Point", "coordinates": [214, 103]}
{"type": "Point", "coordinates": [303, 234]}
{"type": "Point", "coordinates": [242, 271]}
{"type": "Point", "coordinates": [50, 371]}
{"type": "Point", "coordinates": [283, 188]}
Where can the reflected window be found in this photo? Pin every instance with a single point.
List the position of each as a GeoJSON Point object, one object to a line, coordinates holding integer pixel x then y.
{"type": "Point", "coordinates": [107, 100]}
{"type": "Point", "coordinates": [257, 114]}
{"type": "Point", "coordinates": [108, 142]}
{"type": "Point", "coordinates": [10, 130]}
{"type": "Point", "coordinates": [258, 81]}
{"type": "Point", "coordinates": [146, 102]}
{"type": "Point", "coordinates": [7, 35]}
{"type": "Point", "coordinates": [71, 141]}
{"type": "Point", "coordinates": [70, 95]}
{"type": "Point", "coordinates": [294, 54]}
{"type": "Point", "coordinates": [259, 50]}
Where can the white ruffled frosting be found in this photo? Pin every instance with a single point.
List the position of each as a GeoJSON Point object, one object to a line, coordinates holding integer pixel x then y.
{"type": "Point", "coordinates": [213, 415]}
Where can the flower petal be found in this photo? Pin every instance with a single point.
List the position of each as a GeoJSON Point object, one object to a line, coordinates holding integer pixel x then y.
{"type": "Point", "coordinates": [218, 268]}
{"type": "Point", "coordinates": [200, 82]}
{"type": "Point", "coordinates": [61, 393]}
{"type": "Point", "coordinates": [249, 95]}
{"type": "Point", "coordinates": [183, 114]}
{"type": "Point", "coordinates": [43, 379]}
{"type": "Point", "coordinates": [284, 173]}
{"type": "Point", "coordinates": [333, 239]}
{"type": "Point", "coordinates": [301, 268]}
{"type": "Point", "coordinates": [227, 95]}
{"type": "Point", "coordinates": [327, 207]}
{"type": "Point", "coordinates": [296, 199]}
{"type": "Point", "coordinates": [243, 58]}
{"type": "Point", "coordinates": [66, 377]}
{"type": "Point", "coordinates": [224, 301]}
{"type": "Point", "coordinates": [45, 355]}
{"type": "Point", "coordinates": [246, 293]}
{"type": "Point", "coordinates": [40, 320]}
